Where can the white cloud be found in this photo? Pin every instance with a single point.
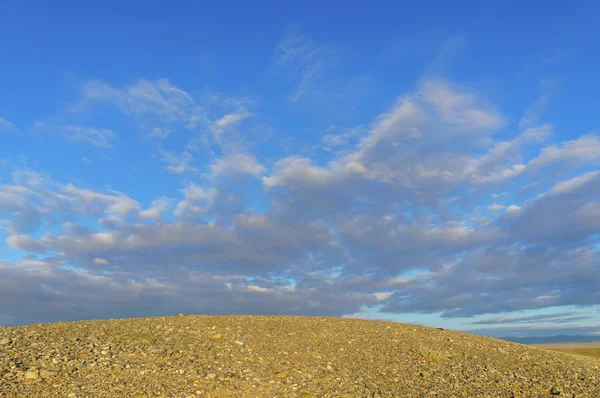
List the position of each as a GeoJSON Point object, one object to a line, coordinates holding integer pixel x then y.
{"type": "Point", "coordinates": [297, 172]}
{"type": "Point", "coordinates": [158, 132]}
{"type": "Point", "coordinates": [179, 164]}
{"type": "Point", "coordinates": [156, 210]}
{"type": "Point", "coordinates": [25, 242]}
{"type": "Point", "coordinates": [575, 183]}
{"type": "Point", "coordinates": [115, 203]}
{"type": "Point", "coordinates": [336, 140]}
{"type": "Point", "coordinates": [460, 107]}
{"type": "Point", "coordinates": [495, 207]}
{"type": "Point", "coordinates": [497, 165]}
{"type": "Point", "coordinates": [231, 120]}
{"type": "Point", "coordinates": [237, 164]}
{"type": "Point", "coordinates": [582, 149]}
{"type": "Point", "coordinates": [158, 97]}
{"type": "Point", "coordinates": [330, 233]}
{"type": "Point", "coordinates": [532, 113]}
{"type": "Point", "coordinates": [6, 126]}
{"type": "Point", "coordinates": [303, 60]}
{"type": "Point", "coordinates": [196, 199]}
{"type": "Point", "coordinates": [34, 263]}
{"type": "Point", "coordinates": [225, 133]}
{"type": "Point", "coordinates": [102, 138]}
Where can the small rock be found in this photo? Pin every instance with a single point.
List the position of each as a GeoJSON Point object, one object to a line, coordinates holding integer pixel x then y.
{"type": "Point", "coordinates": [211, 376]}
{"type": "Point", "coordinates": [46, 373]}
{"type": "Point", "coordinates": [30, 375]}
{"type": "Point", "coordinates": [370, 386]}
{"type": "Point", "coordinates": [217, 336]}
{"type": "Point", "coordinates": [556, 390]}
{"type": "Point", "coordinates": [5, 341]}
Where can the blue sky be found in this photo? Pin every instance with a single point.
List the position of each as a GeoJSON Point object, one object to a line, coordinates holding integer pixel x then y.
{"type": "Point", "coordinates": [424, 163]}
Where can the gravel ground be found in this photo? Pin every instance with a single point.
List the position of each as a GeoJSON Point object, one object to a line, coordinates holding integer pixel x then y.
{"type": "Point", "coordinates": [278, 356]}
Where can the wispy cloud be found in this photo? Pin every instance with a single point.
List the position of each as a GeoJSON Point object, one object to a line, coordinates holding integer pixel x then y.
{"type": "Point", "coordinates": [159, 98]}
{"type": "Point", "coordinates": [159, 108]}
{"type": "Point", "coordinates": [7, 127]}
{"type": "Point", "coordinates": [461, 107]}
{"type": "Point", "coordinates": [230, 120]}
{"type": "Point", "coordinates": [560, 317]}
{"type": "Point", "coordinates": [303, 60]}
{"type": "Point", "coordinates": [102, 138]}
{"type": "Point", "coordinates": [337, 138]}
{"type": "Point", "coordinates": [179, 163]}
{"type": "Point", "coordinates": [531, 115]}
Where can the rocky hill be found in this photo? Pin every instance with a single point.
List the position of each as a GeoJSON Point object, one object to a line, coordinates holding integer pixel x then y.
{"type": "Point", "coordinates": [278, 356]}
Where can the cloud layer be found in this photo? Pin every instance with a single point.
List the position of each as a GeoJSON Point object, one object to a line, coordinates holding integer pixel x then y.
{"type": "Point", "coordinates": [434, 206]}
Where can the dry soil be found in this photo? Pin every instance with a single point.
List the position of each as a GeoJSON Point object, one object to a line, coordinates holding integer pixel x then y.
{"type": "Point", "coordinates": [278, 356]}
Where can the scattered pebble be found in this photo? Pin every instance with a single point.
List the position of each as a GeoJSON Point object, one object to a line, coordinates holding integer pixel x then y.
{"type": "Point", "coordinates": [277, 356]}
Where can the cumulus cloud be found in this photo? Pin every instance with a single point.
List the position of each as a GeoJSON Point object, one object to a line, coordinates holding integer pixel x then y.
{"type": "Point", "coordinates": [156, 210]}
{"type": "Point", "coordinates": [237, 164]}
{"type": "Point", "coordinates": [401, 220]}
{"type": "Point", "coordinates": [195, 201]}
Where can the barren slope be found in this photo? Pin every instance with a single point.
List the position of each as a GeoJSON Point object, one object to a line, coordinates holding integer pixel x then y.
{"type": "Point", "coordinates": [283, 356]}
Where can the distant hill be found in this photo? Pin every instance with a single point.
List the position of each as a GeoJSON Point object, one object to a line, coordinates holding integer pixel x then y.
{"type": "Point", "coordinates": [553, 339]}
{"type": "Point", "coordinates": [283, 356]}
